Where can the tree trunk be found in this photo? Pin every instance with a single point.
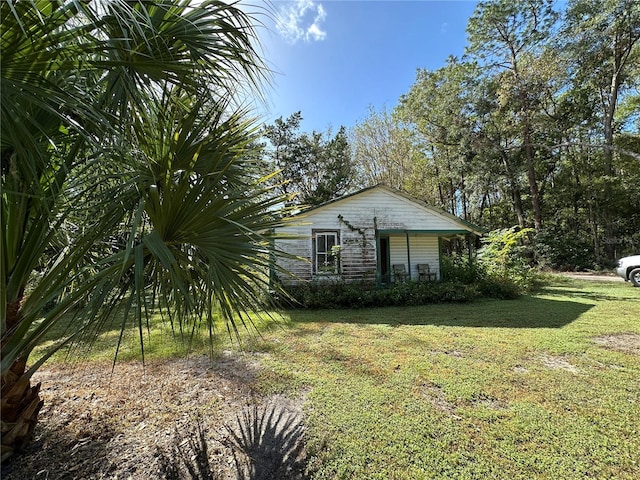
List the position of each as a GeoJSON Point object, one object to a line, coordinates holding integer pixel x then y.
{"type": "Point", "coordinates": [608, 121]}
{"type": "Point", "coordinates": [20, 402]}
{"type": "Point", "coordinates": [515, 191]}
{"type": "Point", "coordinates": [593, 220]}
{"type": "Point", "coordinates": [533, 187]}
{"type": "Point", "coordinates": [525, 107]}
{"type": "Point", "coordinates": [465, 209]}
{"type": "Point", "coordinates": [536, 203]}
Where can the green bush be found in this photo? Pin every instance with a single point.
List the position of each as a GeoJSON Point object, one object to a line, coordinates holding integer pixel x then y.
{"type": "Point", "coordinates": [501, 271]}
{"type": "Point", "coordinates": [558, 250]}
{"type": "Point", "coordinates": [316, 295]}
{"type": "Point", "coordinates": [491, 283]}
{"type": "Point", "coordinates": [460, 268]}
{"type": "Point", "coordinates": [505, 258]}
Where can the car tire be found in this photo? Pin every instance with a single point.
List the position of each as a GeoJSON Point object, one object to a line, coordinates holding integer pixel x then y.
{"type": "Point", "coordinates": [634, 277]}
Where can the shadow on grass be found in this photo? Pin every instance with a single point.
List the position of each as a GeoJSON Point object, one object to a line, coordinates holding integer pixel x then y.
{"type": "Point", "coordinates": [526, 312]}
{"type": "Point", "coordinates": [271, 441]}
{"type": "Point", "coordinates": [608, 294]}
{"type": "Point", "coordinates": [54, 453]}
{"type": "Point", "coordinates": [161, 340]}
{"type": "Point", "coordinates": [266, 444]}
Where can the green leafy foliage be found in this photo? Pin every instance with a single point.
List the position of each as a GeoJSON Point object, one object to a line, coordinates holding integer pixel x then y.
{"type": "Point", "coordinates": [504, 258]}
{"type": "Point", "coordinates": [501, 272]}
{"type": "Point", "coordinates": [354, 295]}
{"type": "Point", "coordinates": [562, 251]}
{"type": "Point", "coordinates": [460, 268]}
{"type": "Point", "coordinates": [139, 182]}
{"type": "Point", "coordinates": [128, 177]}
{"type": "Point", "coordinates": [314, 167]}
{"type": "Point", "coordinates": [385, 152]}
{"type": "Point", "coordinates": [536, 125]}
{"type": "Point", "coordinates": [326, 294]}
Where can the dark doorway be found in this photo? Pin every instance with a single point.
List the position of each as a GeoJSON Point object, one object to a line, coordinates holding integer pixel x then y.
{"type": "Point", "coordinates": [383, 260]}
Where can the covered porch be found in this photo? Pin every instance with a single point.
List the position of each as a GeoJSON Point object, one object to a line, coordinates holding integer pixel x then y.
{"type": "Point", "coordinates": [410, 252]}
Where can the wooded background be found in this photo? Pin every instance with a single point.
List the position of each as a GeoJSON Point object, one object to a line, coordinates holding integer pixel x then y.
{"type": "Point", "coordinates": [535, 126]}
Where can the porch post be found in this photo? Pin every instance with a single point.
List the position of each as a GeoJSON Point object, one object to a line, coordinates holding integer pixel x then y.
{"type": "Point", "coordinates": [408, 254]}
{"type": "Point", "coordinates": [378, 262]}
{"type": "Point", "coordinates": [439, 258]}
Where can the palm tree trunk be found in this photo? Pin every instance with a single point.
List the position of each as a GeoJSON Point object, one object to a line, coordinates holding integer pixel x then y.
{"type": "Point", "coordinates": [21, 401]}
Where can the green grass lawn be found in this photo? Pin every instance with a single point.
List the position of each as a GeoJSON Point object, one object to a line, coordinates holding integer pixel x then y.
{"type": "Point", "coordinates": [494, 389]}
{"type": "Point", "coordinates": [516, 389]}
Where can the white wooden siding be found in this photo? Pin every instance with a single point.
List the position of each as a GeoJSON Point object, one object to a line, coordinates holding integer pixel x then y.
{"type": "Point", "coordinates": [397, 252]}
{"type": "Point", "coordinates": [423, 249]}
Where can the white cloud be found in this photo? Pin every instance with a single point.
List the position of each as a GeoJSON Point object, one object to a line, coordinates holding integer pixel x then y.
{"type": "Point", "coordinates": [315, 33]}
{"type": "Point", "coordinates": [301, 20]}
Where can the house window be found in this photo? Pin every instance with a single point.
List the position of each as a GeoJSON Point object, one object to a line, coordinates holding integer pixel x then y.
{"type": "Point", "coordinates": [326, 246]}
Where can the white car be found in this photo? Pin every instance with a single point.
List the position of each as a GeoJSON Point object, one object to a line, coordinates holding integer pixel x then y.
{"type": "Point", "coordinates": [629, 269]}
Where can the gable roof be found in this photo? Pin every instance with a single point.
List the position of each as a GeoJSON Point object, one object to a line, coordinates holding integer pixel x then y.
{"type": "Point", "coordinates": [405, 196]}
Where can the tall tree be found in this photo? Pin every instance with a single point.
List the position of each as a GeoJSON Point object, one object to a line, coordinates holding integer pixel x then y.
{"type": "Point", "coordinates": [329, 174]}
{"type": "Point", "coordinates": [315, 167]}
{"type": "Point", "coordinates": [385, 152]}
{"type": "Point", "coordinates": [515, 133]}
{"type": "Point", "coordinates": [603, 38]}
{"type": "Point", "coordinates": [498, 170]}
{"type": "Point", "coordinates": [439, 109]}
{"type": "Point", "coordinates": [116, 128]}
{"type": "Point", "coordinates": [504, 35]}
{"type": "Point", "coordinates": [285, 149]}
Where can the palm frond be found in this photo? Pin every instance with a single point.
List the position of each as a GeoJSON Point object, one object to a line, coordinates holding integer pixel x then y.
{"type": "Point", "coordinates": [98, 203]}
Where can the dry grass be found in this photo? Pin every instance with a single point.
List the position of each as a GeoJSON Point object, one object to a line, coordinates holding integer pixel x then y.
{"type": "Point", "coordinates": [96, 424]}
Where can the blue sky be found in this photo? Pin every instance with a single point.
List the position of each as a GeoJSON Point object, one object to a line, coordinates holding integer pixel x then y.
{"type": "Point", "coordinates": [334, 59]}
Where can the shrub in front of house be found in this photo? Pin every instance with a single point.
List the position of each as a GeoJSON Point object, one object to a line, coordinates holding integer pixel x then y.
{"type": "Point", "coordinates": [505, 259]}
{"type": "Point", "coordinates": [315, 295]}
{"type": "Point", "coordinates": [325, 294]}
{"type": "Point", "coordinates": [501, 272]}
{"type": "Point", "coordinates": [494, 286]}
{"type": "Point", "coordinates": [504, 283]}
{"type": "Point", "coordinates": [460, 268]}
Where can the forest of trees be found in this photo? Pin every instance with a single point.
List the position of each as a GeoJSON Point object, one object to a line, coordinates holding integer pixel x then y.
{"type": "Point", "coordinates": [314, 167]}
{"type": "Point", "coordinates": [537, 125]}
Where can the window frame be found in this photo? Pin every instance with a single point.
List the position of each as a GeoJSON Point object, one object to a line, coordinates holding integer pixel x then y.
{"type": "Point", "coordinates": [315, 234]}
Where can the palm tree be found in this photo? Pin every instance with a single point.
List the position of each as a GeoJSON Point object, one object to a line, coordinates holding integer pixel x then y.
{"type": "Point", "coordinates": [127, 176]}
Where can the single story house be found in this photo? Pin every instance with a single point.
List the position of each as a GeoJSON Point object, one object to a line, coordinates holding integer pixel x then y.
{"type": "Point", "coordinates": [376, 234]}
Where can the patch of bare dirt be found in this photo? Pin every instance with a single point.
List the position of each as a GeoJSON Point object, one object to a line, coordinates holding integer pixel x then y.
{"type": "Point", "coordinates": [622, 342]}
{"type": "Point", "coordinates": [555, 362]}
{"type": "Point", "coordinates": [596, 277]}
{"type": "Point", "coordinates": [436, 396]}
{"type": "Point", "coordinates": [99, 425]}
